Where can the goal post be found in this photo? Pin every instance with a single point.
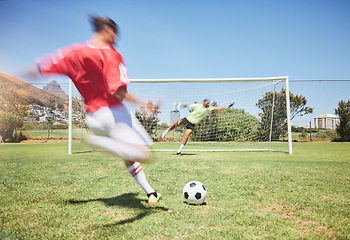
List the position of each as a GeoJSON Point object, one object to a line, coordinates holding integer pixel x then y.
{"type": "Point", "coordinates": [77, 133]}
{"type": "Point", "coordinates": [70, 116]}
{"type": "Point", "coordinates": [243, 127]}
{"type": "Point", "coordinates": [290, 148]}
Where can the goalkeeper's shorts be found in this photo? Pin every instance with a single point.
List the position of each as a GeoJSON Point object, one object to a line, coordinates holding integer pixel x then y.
{"type": "Point", "coordinates": [188, 124]}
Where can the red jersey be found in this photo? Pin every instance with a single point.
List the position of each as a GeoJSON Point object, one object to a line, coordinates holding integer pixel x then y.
{"type": "Point", "coordinates": [97, 72]}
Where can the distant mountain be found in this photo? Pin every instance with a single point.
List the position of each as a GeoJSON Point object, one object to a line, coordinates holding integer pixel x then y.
{"type": "Point", "coordinates": [23, 93]}
{"type": "Point", "coordinates": [55, 89]}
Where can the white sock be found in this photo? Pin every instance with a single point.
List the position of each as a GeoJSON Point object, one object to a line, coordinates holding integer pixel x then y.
{"type": "Point", "coordinates": [165, 133]}
{"type": "Point", "coordinates": [136, 171]}
{"type": "Point", "coordinates": [180, 149]}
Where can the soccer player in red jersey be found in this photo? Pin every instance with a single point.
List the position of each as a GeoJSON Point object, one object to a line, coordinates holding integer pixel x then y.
{"type": "Point", "coordinates": [99, 73]}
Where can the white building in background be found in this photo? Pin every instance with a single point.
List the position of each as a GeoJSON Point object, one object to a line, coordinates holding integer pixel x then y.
{"type": "Point", "coordinates": [174, 117]}
{"type": "Point", "coordinates": [326, 120]}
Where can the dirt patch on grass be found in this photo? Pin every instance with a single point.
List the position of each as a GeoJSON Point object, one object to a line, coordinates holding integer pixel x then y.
{"type": "Point", "coordinates": [313, 140]}
{"type": "Point", "coordinates": [30, 139]}
{"type": "Point", "coordinates": [287, 213]}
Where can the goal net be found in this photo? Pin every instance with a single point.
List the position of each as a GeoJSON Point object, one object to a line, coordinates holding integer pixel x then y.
{"type": "Point", "coordinates": [259, 120]}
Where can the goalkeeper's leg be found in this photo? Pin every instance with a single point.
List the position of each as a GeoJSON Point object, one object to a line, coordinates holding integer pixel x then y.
{"type": "Point", "coordinates": [184, 141]}
{"type": "Point", "coordinates": [175, 125]}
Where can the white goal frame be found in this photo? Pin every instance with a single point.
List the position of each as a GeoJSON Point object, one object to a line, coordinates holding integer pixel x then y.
{"type": "Point", "coordinates": [267, 79]}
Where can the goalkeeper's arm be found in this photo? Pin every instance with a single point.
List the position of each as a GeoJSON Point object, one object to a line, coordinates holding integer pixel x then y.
{"type": "Point", "coordinates": [218, 108]}
{"type": "Point", "coordinates": [180, 105]}
{"type": "Point", "coordinates": [184, 105]}
{"type": "Point", "coordinates": [222, 108]}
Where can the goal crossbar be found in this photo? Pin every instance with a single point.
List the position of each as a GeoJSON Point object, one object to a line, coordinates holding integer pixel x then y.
{"type": "Point", "coordinates": [209, 80]}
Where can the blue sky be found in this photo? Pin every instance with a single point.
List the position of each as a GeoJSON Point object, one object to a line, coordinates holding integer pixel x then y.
{"type": "Point", "coordinates": [302, 39]}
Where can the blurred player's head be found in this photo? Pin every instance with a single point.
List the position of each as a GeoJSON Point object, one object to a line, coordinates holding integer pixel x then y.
{"type": "Point", "coordinates": [105, 27]}
{"type": "Point", "coordinates": [206, 102]}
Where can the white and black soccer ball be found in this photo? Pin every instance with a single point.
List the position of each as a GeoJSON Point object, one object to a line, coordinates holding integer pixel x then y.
{"type": "Point", "coordinates": [194, 192]}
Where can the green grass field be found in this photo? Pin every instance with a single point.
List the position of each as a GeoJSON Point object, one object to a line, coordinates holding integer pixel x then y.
{"type": "Point", "coordinates": [47, 194]}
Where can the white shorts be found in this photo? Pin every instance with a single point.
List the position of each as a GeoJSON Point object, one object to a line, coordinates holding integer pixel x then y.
{"type": "Point", "coordinates": [118, 123]}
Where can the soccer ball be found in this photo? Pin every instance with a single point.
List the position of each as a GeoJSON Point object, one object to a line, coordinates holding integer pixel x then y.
{"type": "Point", "coordinates": [194, 192]}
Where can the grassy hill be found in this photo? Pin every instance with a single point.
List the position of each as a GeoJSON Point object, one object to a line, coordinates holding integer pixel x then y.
{"type": "Point", "coordinates": [24, 93]}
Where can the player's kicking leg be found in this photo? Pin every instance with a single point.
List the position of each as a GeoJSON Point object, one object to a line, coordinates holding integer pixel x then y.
{"type": "Point", "coordinates": [122, 134]}
{"type": "Point", "coordinates": [135, 169]}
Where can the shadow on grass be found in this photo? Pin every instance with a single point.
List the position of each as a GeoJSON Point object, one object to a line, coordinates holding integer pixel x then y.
{"type": "Point", "coordinates": [185, 154]}
{"type": "Point", "coordinates": [127, 200]}
{"type": "Point", "coordinates": [192, 204]}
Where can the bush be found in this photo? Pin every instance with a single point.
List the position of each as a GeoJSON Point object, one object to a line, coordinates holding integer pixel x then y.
{"type": "Point", "coordinates": [326, 134]}
{"type": "Point", "coordinates": [343, 111]}
{"type": "Point", "coordinates": [148, 117]}
{"type": "Point", "coordinates": [20, 137]}
{"type": "Point", "coordinates": [7, 125]}
{"type": "Point", "coordinates": [303, 135]}
{"type": "Point", "coordinates": [228, 125]}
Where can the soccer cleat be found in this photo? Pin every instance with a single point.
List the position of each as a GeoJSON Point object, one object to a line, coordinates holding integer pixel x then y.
{"type": "Point", "coordinates": [154, 198]}
{"type": "Point", "coordinates": [179, 154]}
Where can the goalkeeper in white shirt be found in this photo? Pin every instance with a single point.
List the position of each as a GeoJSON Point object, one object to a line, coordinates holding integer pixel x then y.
{"type": "Point", "coordinates": [199, 111]}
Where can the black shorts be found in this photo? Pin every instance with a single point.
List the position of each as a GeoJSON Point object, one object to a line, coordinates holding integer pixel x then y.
{"type": "Point", "coordinates": [187, 123]}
